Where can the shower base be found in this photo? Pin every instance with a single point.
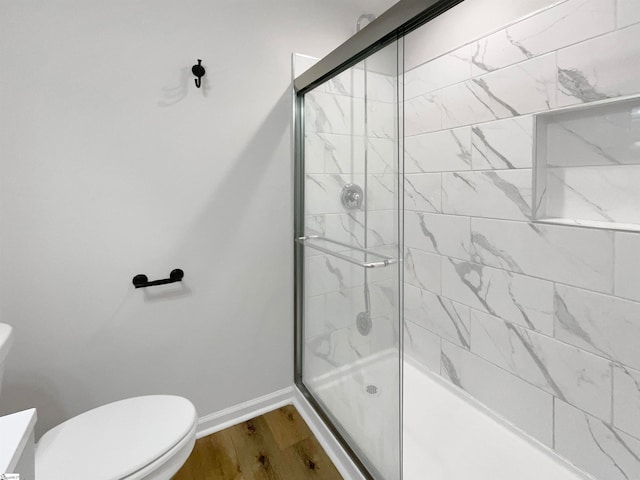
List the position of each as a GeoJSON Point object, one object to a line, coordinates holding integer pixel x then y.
{"type": "Point", "coordinates": [446, 434]}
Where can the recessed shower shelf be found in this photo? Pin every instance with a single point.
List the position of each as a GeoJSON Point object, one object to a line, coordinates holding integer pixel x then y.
{"type": "Point", "coordinates": [315, 242]}
{"type": "Point", "coordinates": [587, 165]}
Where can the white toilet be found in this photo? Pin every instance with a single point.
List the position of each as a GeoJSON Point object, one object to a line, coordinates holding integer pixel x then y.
{"type": "Point", "coordinates": [140, 438]}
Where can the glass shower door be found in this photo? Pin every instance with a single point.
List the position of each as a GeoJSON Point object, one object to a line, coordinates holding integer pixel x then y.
{"type": "Point", "coordinates": [351, 241]}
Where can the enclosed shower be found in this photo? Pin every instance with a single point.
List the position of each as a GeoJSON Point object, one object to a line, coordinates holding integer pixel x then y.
{"type": "Point", "coordinates": [468, 240]}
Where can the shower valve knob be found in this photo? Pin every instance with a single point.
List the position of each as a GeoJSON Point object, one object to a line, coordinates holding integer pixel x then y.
{"type": "Point", "coordinates": [352, 196]}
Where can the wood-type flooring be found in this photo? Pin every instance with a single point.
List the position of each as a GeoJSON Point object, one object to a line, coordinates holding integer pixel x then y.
{"type": "Point", "coordinates": [275, 446]}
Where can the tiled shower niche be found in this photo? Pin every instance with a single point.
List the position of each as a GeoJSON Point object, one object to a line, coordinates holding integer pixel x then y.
{"type": "Point", "coordinates": [587, 162]}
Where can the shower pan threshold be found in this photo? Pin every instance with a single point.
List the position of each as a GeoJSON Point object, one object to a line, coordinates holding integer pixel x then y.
{"type": "Point", "coordinates": [447, 434]}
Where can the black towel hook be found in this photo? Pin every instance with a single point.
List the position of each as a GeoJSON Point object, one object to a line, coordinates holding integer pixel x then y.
{"type": "Point", "coordinates": [199, 71]}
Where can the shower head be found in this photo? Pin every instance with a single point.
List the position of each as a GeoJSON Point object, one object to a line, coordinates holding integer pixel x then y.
{"type": "Point", "coordinates": [369, 17]}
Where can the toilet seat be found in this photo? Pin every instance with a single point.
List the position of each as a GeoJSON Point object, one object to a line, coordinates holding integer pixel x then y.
{"type": "Point", "coordinates": [128, 439]}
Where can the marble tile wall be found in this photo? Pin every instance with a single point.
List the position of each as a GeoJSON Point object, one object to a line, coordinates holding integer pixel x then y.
{"type": "Point", "coordinates": [540, 322]}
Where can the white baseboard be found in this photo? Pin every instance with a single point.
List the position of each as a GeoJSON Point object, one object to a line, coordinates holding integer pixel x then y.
{"type": "Point", "coordinates": [336, 453]}
{"type": "Point", "coordinates": [242, 412]}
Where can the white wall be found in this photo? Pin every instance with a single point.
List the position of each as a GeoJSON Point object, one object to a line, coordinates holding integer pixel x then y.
{"type": "Point", "coordinates": [114, 164]}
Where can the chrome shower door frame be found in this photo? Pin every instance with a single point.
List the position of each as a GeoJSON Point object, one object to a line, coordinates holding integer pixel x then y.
{"type": "Point", "coordinates": [392, 26]}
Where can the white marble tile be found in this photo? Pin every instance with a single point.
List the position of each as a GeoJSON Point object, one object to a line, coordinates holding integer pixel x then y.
{"type": "Point", "coordinates": [627, 267]}
{"type": "Point", "coordinates": [351, 83]}
{"type": "Point", "coordinates": [381, 87]}
{"type": "Point", "coordinates": [422, 270]}
{"type": "Point", "coordinates": [594, 446]}
{"type": "Point", "coordinates": [346, 227]}
{"type": "Point", "coordinates": [565, 24]}
{"type": "Point", "coordinates": [382, 191]}
{"type": "Point", "coordinates": [447, 319]}
{"type": "Point", "coordinates": [444, 151]}
{"type": "Point", "coordinates": [423, 114]}
{"type": "Point", "coordinates": [315, 225]}
{"type": "Point", "coordinates": [362, 344]}
{"type": "Point", "coordinates": [503, 144]}
{"type": "Point", "coordinates": [317, 188]}
{"type": "Point", "coordinates": [606, 193]}
{"type": "Point", "coordinates": [384, 333]}
{"type": "Point", "coordinates": [337, 348]}
{"type": "Point", "coordinates": [314, 316]}
{"type": "Point", "coordinates": [382, 228]}
{"type": "Point", "coordinates": [605, 325]}
{"type": "Point", "coordinates": [328, 113]}
{"type": "Point", "coordinates": [381, 119]}
{"type": "Point", "coordinates": [343, 154]}
{"type": "Point", "coordinates": [343, 84]}
{"type": "Point", "coordinates": [357, 118]}
{"type": "Point", "coordinates": [316, 149]}
{"type": "Point", "coordinates": [520, 403]}
{"type": "Point", "coordinates": [423, 192]}
{"type": "Point", "coordinates": [354, 81]}
{"type": "Point", "coordinates": [505, 194]}
{"type": "Point", "coordinates": [422, 346]}
{"type": "Point", "coordinates": [571, 374]}
{"type": "Point", "coordinates": [576, 256]}
{"type": "Point", "coordinates": [325, 274]}
{"type": "Point", "coordinates": [322, 192]}
{"type": "Point", "coordinates": [315, 359]}
{"type": "Point", "coordinates": [467, 103]}
{"type": "Point", "coordinates": [522, 300]}
{"type": "Point", "coordinates": [606, 134]}
{"type": "Point", "coordinates": [444, 234]}
{"type": "Point", "coordinates": [523, 88]}
{"type": "Point", "coordinates": [384, 297]}
{"type": "Point", "coordinates": [381, 156]}
{"type": "Point", "coordinates": [628, 12]}
{"type": "Point", "coordinates": [604, 67]}
{"type": "Point", "coordinates": [626, 400]}
{"type": "Point", "coordinates": [341, 308]}
{"type": "Point", "coordinates": [450, 68]}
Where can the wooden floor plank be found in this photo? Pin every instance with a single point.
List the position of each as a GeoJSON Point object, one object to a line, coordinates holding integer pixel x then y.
{"type": "Point", "coordinates": [259, 455]}
{"type": "Point", "coordinates": [213, 458]}
{"type": "Point", "coordinates": [318, 465]}
{"type": "Point", "coordinates": [274, 446]}
{"type": "Point", "coordinates": [287, 426]}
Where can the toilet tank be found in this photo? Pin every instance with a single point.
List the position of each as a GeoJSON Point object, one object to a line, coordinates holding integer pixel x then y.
{"type": "Point", "coordinates": [6, 339]}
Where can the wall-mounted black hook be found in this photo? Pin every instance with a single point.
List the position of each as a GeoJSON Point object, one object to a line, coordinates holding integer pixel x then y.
{"type": "Point", "coordinates": [199, 71]}
{"type": "Point", "coordinates": [141, 280]}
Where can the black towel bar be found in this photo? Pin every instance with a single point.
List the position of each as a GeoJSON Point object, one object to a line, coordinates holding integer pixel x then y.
{"type": "Point", "coordinates": [142, 281]}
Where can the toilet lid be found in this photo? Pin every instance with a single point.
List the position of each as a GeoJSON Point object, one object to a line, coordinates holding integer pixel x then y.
{"type": "Point", "coordinates": [113, 441]}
